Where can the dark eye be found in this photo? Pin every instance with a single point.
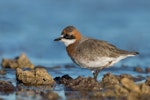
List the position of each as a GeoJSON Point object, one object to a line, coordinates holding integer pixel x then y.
{"type": "Point", "coordinates": [67, 36]}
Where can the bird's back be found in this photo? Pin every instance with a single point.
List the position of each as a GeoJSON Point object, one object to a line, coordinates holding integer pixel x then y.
{"type": "Point", "coordinates": [92, 48]}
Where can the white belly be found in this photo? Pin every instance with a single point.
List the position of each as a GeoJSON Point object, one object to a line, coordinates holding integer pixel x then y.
{"type": "Point", "coordinates": [100, 62]}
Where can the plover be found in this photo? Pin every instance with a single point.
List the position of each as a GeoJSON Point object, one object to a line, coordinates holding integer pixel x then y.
{"type": "Point", "coordinates": [91, 53]}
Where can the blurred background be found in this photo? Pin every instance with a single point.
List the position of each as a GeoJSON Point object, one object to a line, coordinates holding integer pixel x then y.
{"type": "Point", "coordinates": [30, 26]}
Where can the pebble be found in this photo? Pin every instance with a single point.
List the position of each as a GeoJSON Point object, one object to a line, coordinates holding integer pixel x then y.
{"type": "Point", "coordinates": [2, 72]}
{"type": "Point", "coordinates": [138, 69]}
{"type": "Point", "coordinates": [147, 70]}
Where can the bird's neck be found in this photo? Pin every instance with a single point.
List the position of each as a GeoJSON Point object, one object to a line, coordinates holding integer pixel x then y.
{"type": "Point", "coordinates": [71, 49]}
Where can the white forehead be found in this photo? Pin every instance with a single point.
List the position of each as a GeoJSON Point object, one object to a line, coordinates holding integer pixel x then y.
{"type": "Point", "coordinates": [62, 35]}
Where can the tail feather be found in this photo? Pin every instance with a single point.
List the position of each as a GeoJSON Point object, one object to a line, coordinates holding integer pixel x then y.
{"type": "Point", "coordinates": [128, 53]}
{"type": "Point", "coordinates": [135, 53]}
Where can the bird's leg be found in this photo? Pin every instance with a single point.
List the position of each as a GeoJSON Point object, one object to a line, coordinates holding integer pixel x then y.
{"type": "Point", "coordinates": [95, 73]}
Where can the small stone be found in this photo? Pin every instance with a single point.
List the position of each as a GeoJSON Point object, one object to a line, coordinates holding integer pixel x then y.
{"type": "Point", "coordinates": [6, 87]}
{"type": "Point", "coordinates": [19, 62]}
{"type": "Point", "coordinates": [138, 69]}
{"type": "Point", "coordinates": [147, 70]}
{"type": "Point", "coordinates": [130, 85]}
{"type": "Point", "coordinates": [37, 76]}
{"type": "Point", "coordinates": [63, 80]}
{"type": "Point", "coordinates": [147, 82]}
{"type": "Point", "coordinates": [2, 72]}
{"type": "Point", "coordinates": [68, 66]}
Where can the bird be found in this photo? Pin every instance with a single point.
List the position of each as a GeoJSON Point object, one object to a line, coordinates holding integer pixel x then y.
{"type": "Point", "coordinates": [90, 53]}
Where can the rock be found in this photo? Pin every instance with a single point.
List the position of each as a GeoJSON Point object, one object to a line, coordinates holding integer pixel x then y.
{"type": "Point", "coordinates": [138, 96]}
{"type": "Point", "coordinates": [19, 62]}
{"type": "Point", "coordinates": [147, 70]}
{"type": "Point", "coordinates": [112, 87]}
{"type": "Point", "coordinates": [63, 80]}
{"type": "Point", "coordinates": [130, 85]}
{"type": "Point", "coordinates": [6, 87]}
{"type": "Point", "coordinates": [147, 82]}
{"type": "Point", "coordinates": [2, 72]}
{"type": "Point", "coordinates": [79, 83]}
{"type": "Point", "coordinates": [135, 79]}
{"type": "Point", "coordinates": [138, 69]}
{"type": "Point", "coordinates": [69, 66]}
{"type": "Point", "coordinates": [120, 91]}
{"type": "Point", "coordinates": [133, 96]}
{"type": "Point", "coordinates": [144, 89]}
{"type": "Point", "coordinates": [109, 80]}
{"type": "Point", "coordinates": [37, 76]}
{"type": "Point", "coordinates": [126, 76]}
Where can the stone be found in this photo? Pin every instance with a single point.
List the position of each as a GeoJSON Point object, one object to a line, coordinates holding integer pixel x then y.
{"type": "Point", "coordinates": [147, 70]}
{"type": "Point", "coordinates": [130, 85]}
{"type": "Point", "coordinates": [6, 87]}
{"type": "Point", "coordinates": [147, 82]}
{"type": "Point", "coordinates": [19, 62]}
{"type": "Point", "coordinates": [79, 83]}
{"type": "Point", "coordinates": [138, 69]}
{"type": "Point", "coordinates": [109, 80]}
{"type": "Point", "coordinates": [63, 80]}
{"type": "Point", "coordinates": [37, 76]}
{"type": "Point", "coordinates": [133, 78]}
{"type": "Point", "coordinates": [126, 76]}
{"type": "Point", "coordinates": [120, 91]}
{"type": "Point", "coordinates": [2, 72]}
{"type": "Point", "coordinates": [112, 87]}
{"type": "Point", "coordinates": [145, 89]}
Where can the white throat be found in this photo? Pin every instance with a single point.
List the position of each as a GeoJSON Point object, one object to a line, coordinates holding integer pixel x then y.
{"type": "Point", "coordinates": [67, 42]}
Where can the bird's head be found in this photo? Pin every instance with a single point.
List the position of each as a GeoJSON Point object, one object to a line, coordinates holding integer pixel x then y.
{"type": "Point", "coordinates": [69, 35]}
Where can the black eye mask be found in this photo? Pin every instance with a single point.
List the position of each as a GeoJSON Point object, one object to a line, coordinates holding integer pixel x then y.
{"type": "Point", "coordinates": [66, 36]}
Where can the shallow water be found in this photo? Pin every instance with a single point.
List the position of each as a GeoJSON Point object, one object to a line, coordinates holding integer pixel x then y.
{"type": "Point", "coordinates": [36, 92]}
{"type": "Point", "coordinates": [31, 27]}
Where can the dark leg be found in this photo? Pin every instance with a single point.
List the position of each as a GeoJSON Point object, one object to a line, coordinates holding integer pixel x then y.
{"type": "Point", "coordinates": [95, 74]}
